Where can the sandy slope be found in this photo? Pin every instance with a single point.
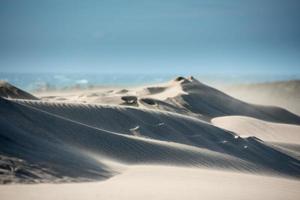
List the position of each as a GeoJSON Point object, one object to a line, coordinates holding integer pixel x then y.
{"type": "Point", "coordinates": [32, 136]}
{"type": "Point", "coordinates": [33, 139]}
{"type": "Point", "coordinates": [176, 126]}
{"type": "Point", "coordinates": [283, 137]}
{"type": "Point", "coordinates": [267, 131]}
{"type": "Point", "coordinates": [285, 94]}
{"type": "Point", "coordinates": [182, 95]}
{"type": "Point", "coordinates": [9, 91]}
{"type": "Point", "coordinates": [158, 182]}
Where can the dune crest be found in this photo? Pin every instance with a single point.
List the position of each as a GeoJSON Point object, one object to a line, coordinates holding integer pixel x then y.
{"type": "Point", "coordinates": [9, 91]}
{"type": "Point", "coordinates": [168, 124]}
{"type": "Point", "coordinates": [98, 135]}
{"type": "Point", "coordinates": [186, 96]}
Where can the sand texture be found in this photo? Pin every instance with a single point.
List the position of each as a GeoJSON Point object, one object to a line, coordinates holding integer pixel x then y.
{"type": "Point", "coordinates": [176, 140]}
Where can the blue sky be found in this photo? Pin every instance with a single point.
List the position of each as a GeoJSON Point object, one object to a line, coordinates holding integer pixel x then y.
{"type": "Point", "coordinates": [167, 36]}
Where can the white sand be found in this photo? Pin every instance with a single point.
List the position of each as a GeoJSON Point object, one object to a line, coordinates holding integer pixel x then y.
{"type": "Point", "coordinates": [165, 145]}
{"type": "Point", "coordinates": [267, 131]}
{"type": "Point", "coordinates": [158, 182]}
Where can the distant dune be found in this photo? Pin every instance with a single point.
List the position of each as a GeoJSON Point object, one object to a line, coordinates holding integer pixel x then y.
{"type": "Point", "coordinates": [9, 91]}
{"type": "Point", "coordinates": [117, 134]}
{"type": "Point", "coordinates": [285, 94]}
{"type": "Point", "coordinates": [182, 95]}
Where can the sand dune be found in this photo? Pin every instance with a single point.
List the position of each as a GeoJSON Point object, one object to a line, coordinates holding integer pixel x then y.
{"type": "Point", "coordinates": [210, 102]}
{"type": "Point", "coordinates": [110, 132]}
{"type": "Point", "coordinates": [267, 131]}
{"type": "Point", "coordinates": [190, 97]}
{"type": "Point", "coordinates": [212, 147]}
{"type": "Point", "coordinates": [33, 139]}
{"type": "Point", "coordinates": [283, 137]}
{"type": "Point", "coordinates": [182, 126]}
{"type": "Point", "coordinates": [9, 91]}
{"type": "Point", "coordinates": [285, 94]}
{"type": "Point", "coordinates": [164, 183]}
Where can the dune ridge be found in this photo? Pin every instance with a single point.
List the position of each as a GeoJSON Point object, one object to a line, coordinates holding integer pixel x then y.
{"type": "Point", "coordinates": [279, 93]}
{"type": "Point", "coordinates": [9, 91]}
{"type": "Point", "coordinates": [187, 96]}
{"type": "Point", "coordinates": [180, 123]}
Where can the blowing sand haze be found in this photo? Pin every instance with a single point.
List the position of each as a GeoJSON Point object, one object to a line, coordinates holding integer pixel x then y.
{"type": "Point", "coordinates": [175, 140]}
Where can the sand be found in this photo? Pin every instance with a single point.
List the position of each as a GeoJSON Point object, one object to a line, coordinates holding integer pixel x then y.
{"type": "Point", "coordinates": [175, 140]}
{"type": "Point", "coordinates": [161, 182]}
{"type": "Point", "coordinates": [266, 131]}
{"type": "Point", "coordinates": [284, 94]}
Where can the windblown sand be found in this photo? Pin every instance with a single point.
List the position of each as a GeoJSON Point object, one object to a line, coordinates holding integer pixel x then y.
{"type": "Point", "coordinates": [177, 140]}
{"type": "Point", "coordinates": [160, 182]}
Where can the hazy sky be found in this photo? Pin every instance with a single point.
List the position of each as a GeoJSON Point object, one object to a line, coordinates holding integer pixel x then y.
{"type": "Point", "coordinates": [192, 36]}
